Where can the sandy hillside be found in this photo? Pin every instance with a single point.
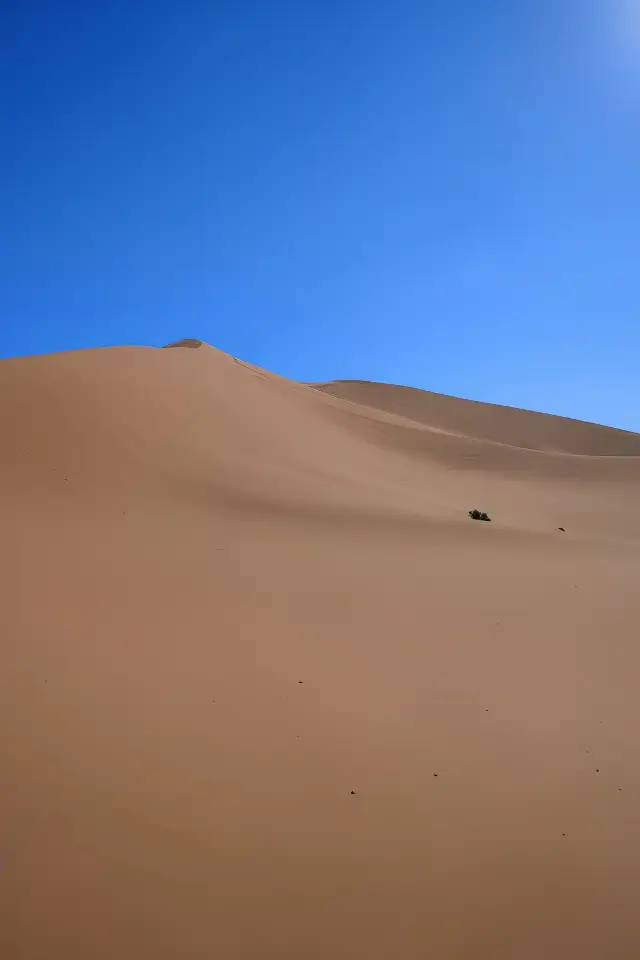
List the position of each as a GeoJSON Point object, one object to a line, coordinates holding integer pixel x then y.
{"type": "Point", "coordinates": [268, 692]}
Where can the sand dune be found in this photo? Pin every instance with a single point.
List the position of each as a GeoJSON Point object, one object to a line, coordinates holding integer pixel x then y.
{"type": "Point", "coordinates": [488, 421]}
{"type": "Point", "coordinates": [269, 692]}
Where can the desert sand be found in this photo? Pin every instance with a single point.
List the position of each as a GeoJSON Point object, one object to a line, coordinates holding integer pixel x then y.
{"type": "Point", "coordinates": [268, 692]}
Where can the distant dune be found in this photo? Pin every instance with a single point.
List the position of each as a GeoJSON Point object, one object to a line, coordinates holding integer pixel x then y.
{"type": "Point", "coordinates": [488, 421]}
{"type": "Point", "coordinates": [269, 692]}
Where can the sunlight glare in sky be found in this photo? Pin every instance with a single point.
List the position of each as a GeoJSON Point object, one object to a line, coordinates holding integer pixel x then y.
{"type": "Point", "coordinates": [613, 32]}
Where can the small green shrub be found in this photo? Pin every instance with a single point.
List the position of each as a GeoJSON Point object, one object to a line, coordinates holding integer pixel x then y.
{"type": "Point", "coordinates": [478, 515]}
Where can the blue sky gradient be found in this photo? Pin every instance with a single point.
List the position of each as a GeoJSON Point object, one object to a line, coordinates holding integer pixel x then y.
{"type": "Point", "coordinates": [444, 194]}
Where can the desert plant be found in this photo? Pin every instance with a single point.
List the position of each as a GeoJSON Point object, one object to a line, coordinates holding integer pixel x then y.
{"type": "Point", "coordinates": [478, 515]}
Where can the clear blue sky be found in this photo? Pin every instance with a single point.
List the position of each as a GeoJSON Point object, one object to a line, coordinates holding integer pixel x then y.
{"type": "Point", "coordinates": [443, 193]}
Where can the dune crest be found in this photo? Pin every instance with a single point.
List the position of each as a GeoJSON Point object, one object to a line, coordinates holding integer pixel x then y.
{"type": "Point", "coordinates": [186, 342]}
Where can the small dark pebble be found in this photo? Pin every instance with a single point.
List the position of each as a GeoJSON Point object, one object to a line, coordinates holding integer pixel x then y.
{"type": "Point", "coordinates": [353, 793]}
{"type": "Point", "coordinates": [562, 530]}
{"type": "Point", "coordinates": [564, 834]}
{"type": "Point", "coordinates": [597, 769]}
{"type": "Point", "coordinates": [435, 774]}
{"type": "Point", "coordinates": [300, 681]}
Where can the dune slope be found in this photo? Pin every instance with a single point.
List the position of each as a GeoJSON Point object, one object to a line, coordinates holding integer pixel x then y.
{"type": "Point", "coordinates": [267, 691]}
{"type": "Point", "coordinates": [488, 421]}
